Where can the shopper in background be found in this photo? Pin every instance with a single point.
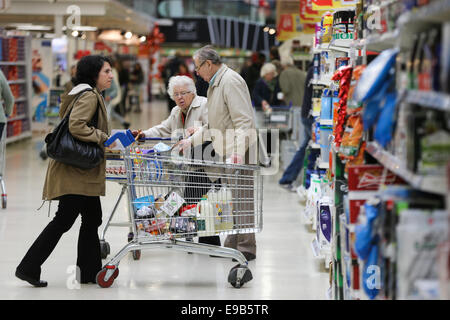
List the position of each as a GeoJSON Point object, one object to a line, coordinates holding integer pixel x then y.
{"type": "Point", "coordinates": [183, 70]}
{"type": "Point", "coordinates": [292, 82]}
{"type": "Point", "coordinates": [292, 171]}
{"type": "Point", "coordinates": [188, 118]}
{"type": "Point", "coordinates": [6, 103]}
{"type": "Point", "coordinates": [136, 80]}
{"type": "Point", "coordinates": [124, 80]}
{"type": "Point", "coordinates": [77, 190]}
{"type": "Point", "coordinates": [69, 84]}
{"type": "Point", "coordinates": [171, 69]}
{"type": "Point", "coordinates": [201, 85]}
{"type": "Point", "coordinates": [265, 93]}
{"type": "Point", "coordinates": [229, 107]}
{"type": "Point", "coordinates": [113, 96]}
{"type": "Point", "coordinates": [274, 57]}
{"type": "Point", "coordinates": [252, 73]}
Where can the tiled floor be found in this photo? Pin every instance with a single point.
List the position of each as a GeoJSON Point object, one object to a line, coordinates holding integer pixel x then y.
{"type": "Point", "coordinates": [284, 269]}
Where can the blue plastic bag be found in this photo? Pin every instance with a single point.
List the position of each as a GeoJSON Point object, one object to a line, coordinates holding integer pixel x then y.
{"type": "Point", "coordinates": [373, 107]}
{"type": "Point", "coordinates": [374, 76]}
{"type": "Point", "coordinates": [386, 121]}
{"type": "Point", "coordinates": [364, 233]}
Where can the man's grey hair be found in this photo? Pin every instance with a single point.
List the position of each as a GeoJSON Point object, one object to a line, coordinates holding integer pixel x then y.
{"type": "Point", "coordinates": [181, 81]}
{"type": "Point", "coordinates": [207, 53]}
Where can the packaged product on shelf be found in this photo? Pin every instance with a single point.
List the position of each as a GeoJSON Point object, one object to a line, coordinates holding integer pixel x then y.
{"type": "Point", "coordinates": [429, 71]}
{"type": "Point", "coordinates": [352, 137]}
{"type": "Point", "coordinates": [325, 133]}
{"type": "Point", "coordinates": [435, 153]}
{"type": "Point", "coordinates": [326, 105]}
{"type": "Point", "coordinates": [327, 27]}
{"type": "Point", "coordinates": [419, 235]}
{"type": "Point", "coordinates": [316, 70]}
{"type": "Point", "coordinates": [324, 229]}
{"type": "Point", "coordinates": [444, 78]}
{"type": "Point", "coordinates": [344, 76]}
{"type": "Point", "coordinates": [343, 25]}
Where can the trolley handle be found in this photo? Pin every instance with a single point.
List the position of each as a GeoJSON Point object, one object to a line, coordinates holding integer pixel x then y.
{"type": "Point", "coordinates": [126, 138]}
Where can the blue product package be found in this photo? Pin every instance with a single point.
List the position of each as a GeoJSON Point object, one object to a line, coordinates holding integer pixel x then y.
{"type": "Point", "coordinates": [371, 275]}
{"type": "Point", "coordinates": [363, 232]}
{"type": "Point", "coordinates": [374, 76]}
{"type": "Point", "coordinates": [143, 202]}
{"type": "Point", "coordinates": [373, 106]}
{"type": "Point", "coordinates": [326, 105]}
{"type": "Point", "coordinates": [386, 121]}
{"type": "Point", "coordinates": [325, 221]}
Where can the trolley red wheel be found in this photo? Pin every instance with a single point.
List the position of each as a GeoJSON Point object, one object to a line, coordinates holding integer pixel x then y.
{"type": "Point", "coordinates": [101, 278]}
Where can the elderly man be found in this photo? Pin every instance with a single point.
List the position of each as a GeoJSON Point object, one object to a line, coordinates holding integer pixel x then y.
{"type": "Point", "coordinates": [230, 122]}
{"type": "Point", "coordinates": [187, 119]}
{"type": "Point", "coordinates": [292, 82]}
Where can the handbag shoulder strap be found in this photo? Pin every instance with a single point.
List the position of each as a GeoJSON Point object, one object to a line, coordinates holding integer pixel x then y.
{"type": "Point", "coordinates": [94, 120]}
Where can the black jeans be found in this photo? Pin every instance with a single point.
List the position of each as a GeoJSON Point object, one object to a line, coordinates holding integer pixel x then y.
{"type": "Point", "coordinates": [2, 125]}
{"type": "Point", "coordinates": [89, 257]}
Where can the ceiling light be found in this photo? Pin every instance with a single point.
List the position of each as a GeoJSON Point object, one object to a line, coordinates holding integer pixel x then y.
{"type": "Point", "coordinates": [31, 27]}
{"type": "Point", "coordinates": [266, 29]}
{"type": "Point", "coordinates": [75, 33]}
{"type": "Point", "coordinates": [143, 39]}
{"type": "Point", "coordinates": [272, 31]}
{"type": "Point", "coordinates": [128, 35]}
{"type": "Point", "coordinates": [85, 28]}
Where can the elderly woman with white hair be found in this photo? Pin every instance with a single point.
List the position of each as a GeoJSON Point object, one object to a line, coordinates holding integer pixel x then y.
{"type": "Point", "coordinates": [266, 90]}
{"type": "Point", "coordinates": [189, 115]}
{"type": "Point", "coordinates": [187, 119]}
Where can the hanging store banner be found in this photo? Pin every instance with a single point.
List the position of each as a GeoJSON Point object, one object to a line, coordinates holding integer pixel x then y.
{"type": "Point", "coordinates": [222, 32]}
{"type": "Point", "coordinates": [331, 4]}
{"type": "Point", "coordinates": [307, 14]}
{"type": "Point", "coordinates": [289, 24]}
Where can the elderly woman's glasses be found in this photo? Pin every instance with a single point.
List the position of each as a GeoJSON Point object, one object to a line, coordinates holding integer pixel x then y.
{"type": "Point", "coordinates": [181, 94]}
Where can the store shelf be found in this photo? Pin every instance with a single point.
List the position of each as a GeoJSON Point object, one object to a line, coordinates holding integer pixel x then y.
{"type": "Point", "coordinates": [431, 99]}
{"type": "Point", "coordinates": [326, 122]}
{"type": "Point", "coordinates": [437, 11]}
{"type": "Point", "coordinates": [428, 183]}
{"type": "Point", "coordinates": [18, 137]}
{"type": "Point", "coordinates": [19, 117]}
{"type": "Point", "coordinates": [12, 63]}
{"type": "Point", "coordinates": [382, 42]}
{"type": "Point", "coordinates": [20, 99]}
{"type": "Point", "coordinates": [323, 165]}
{"type": "Point", "coordinates": [17, 81]}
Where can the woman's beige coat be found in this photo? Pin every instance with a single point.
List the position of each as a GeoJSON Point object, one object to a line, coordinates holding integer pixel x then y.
{"type": "Point", "coordinates": [64, 179]}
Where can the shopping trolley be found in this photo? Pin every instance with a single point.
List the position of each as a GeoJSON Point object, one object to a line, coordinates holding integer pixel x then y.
{"type": "Point", "coordinates": [2, 165]}
{"type": "Point", "coordinates": [173, 198]}
{"type": "Point", "coordinates": [116, 172]}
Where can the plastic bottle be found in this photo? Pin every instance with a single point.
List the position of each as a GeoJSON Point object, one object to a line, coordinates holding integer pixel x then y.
{"type": "Point", "coordinates": [226, 200]}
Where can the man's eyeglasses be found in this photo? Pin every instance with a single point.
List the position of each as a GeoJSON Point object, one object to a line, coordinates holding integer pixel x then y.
{"type": "Point", "coordinates": [181, 94]}
{"type": "Point", "coordinates": [198, 68]}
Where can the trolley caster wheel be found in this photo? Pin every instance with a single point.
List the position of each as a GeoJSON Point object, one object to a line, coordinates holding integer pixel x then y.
{"type": "Point", "coordinates": [136, 254]}
{"type": "Point", "coordinates": [4, 201]}
{"type": "Point", "coordinates": [104, 249]}
{"type": "Point", "coordinates": [106, 283]}
{"type": "Point", "coordinates": [239, 275]}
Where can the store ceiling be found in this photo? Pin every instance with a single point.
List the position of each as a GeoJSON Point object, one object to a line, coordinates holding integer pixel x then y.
{"type": "Point", "coordinates": [103, 14]}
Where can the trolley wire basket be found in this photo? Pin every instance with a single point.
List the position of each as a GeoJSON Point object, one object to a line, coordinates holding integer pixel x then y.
{"type": "Point", "coordinates": [173, 198]}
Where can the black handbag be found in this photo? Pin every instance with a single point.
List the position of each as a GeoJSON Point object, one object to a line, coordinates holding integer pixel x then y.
{"type": "Point", "coordinates": [64, 148]}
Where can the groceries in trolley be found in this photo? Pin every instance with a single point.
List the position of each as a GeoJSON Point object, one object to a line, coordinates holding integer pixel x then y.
{"type": "Point", "coordinates": [162, 215]}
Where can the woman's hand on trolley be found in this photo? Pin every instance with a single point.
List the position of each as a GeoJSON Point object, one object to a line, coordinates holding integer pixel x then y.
{"type": "Point", "coordinates": [190, 131]}
{"type": "Point", "coordinates": [138, 134]}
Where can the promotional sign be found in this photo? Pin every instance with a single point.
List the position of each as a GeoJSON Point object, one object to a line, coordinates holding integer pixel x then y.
{"type": "Point", "coordinates": [289, 22]}
{"type": "Point", "coordinates": [331, 4]}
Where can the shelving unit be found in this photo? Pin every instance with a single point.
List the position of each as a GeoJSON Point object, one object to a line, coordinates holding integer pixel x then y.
{"type": "Point", "coordinates": [359, 183]}
{"type": "Point", "coordinates": [428, 183]}
{"type": "Point", "coordinates": [15, 62]}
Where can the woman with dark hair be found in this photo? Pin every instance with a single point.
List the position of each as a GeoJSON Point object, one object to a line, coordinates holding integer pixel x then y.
{"type": "Point", "coordinates": [78, 190]}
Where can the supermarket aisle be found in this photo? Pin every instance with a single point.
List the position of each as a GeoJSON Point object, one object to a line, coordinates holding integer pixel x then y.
{"type": "Point", "coordinates": [284, 268]}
